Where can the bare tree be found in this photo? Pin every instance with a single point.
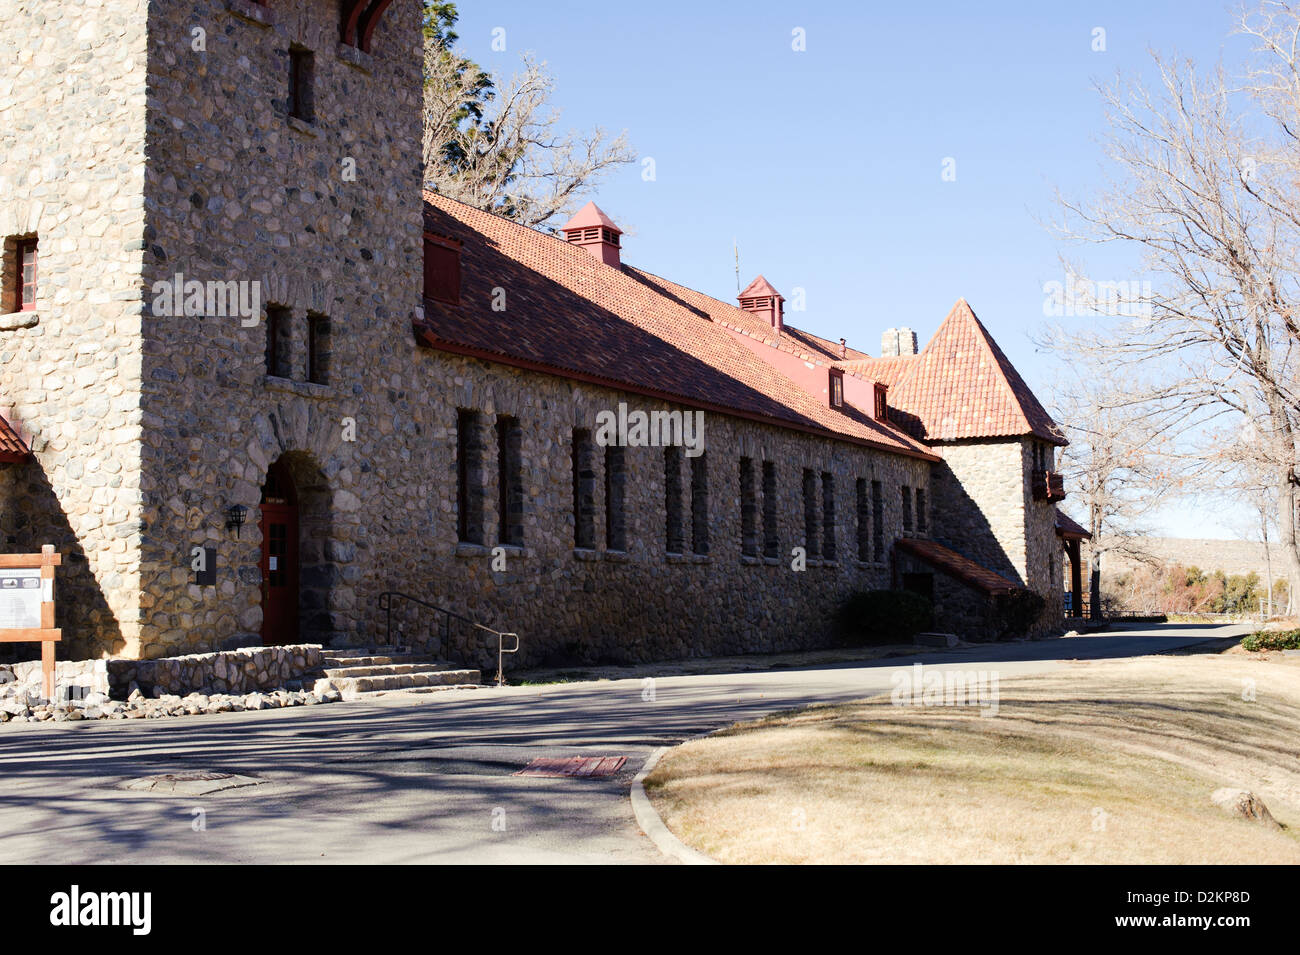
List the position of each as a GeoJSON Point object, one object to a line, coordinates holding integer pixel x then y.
{"type": "Point", "coordinates": [499, 148]}
{"type": "Point", "coordinates": [1120, 462]}
{"type": "Point", "coordinates": [1204, 187]}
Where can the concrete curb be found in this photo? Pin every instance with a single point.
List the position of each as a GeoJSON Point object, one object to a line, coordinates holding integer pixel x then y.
{"type": "Point", "coordinates": [648, 819]}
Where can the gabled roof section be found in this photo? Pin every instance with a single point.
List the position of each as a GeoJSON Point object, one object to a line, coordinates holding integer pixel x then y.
{"type": "Point", "coordinates": [956, 566]}
{"type": "Point", "coordinates": [568, 314]}
{"type": "Point", "coordinates": [963, 386]}
{"type": "Point", "coordinates": [1070, 529]}
{"type": "Point", "coordinates": [13, 448]}
{"type": "Point", "coordinates": [794, 341]}
{"type": "Point", "coordinates": [886, 371]}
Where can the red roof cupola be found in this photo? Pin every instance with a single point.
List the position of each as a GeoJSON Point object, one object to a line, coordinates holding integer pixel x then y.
{"type": "Point", "coordinates": [595, 232]}
{"type": "Point", "coordinates": [764, 301]}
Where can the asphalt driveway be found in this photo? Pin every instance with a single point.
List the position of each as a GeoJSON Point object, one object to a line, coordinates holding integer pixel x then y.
{"type": "Point", "coordinates": [427, 778]}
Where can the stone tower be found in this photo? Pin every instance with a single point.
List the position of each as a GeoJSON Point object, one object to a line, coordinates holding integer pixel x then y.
{"type": "Point", "coordinates": [226, 197]}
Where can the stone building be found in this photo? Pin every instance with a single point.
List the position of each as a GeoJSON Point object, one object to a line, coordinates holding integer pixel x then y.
{"type": "Point", "coordinates": [253, 377]}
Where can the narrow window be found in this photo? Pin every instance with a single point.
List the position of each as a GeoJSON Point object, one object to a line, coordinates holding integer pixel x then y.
{"type": "Point", "coordinates": [771, 536]}
{"type": "Point", "coordinates": [302, 74]}
{"type": "Point", "coordinates": [828, 516]}
{"type": "Point", "coordinates": [277, 341]}
{"type": "Point", "coordinates": [615, 483]}
{"type": "Point", "coordinates": [469, 477]}
{"type": "Point", "coordinates": [318, 330]}
{"type": "Point", "coordinates": [837, 388]}
{"type": "Point", "coordinates": [864, 520]}
{"type": "Point", "coordinates": [906, 494]}
{"type": "Point", "coordinates": [675, 538]}
{"type": "Point", "coordinates": [510, 482]}
{"type": "Point", "coordinates": [811, 524]}
{"type": "Point", "coordinates": [882, 403]}
{"type": "Point", "coordinates": [584, 491]}
{"type": "Point", "coordinates": [700, 504]}
{"type": "Point", "coordinates": [748, 509]}
{"type": "Point", "coordinates": [877, 521]}
{"type": "Point", "coordinates": [921, 520]}
{"type": "Point", "coordinates": [26, 285]}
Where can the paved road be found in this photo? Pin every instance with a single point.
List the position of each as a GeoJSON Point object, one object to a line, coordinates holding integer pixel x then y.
{"type": "Point", "coordinates": [422, 779]}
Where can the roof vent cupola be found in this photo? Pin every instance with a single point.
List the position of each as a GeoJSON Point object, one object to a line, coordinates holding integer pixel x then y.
{"type": "Point", "coordinates": [595, 232]}
{"type": "Point", "coordinates": [763, 301]}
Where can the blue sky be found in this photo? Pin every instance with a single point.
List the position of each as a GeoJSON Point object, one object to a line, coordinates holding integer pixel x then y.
{"type": "Point", "coordinates": [825, 165]}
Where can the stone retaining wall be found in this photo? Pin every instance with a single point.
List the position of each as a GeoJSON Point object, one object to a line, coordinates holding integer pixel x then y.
{"type": "Point", "coordinates": [227, 671]}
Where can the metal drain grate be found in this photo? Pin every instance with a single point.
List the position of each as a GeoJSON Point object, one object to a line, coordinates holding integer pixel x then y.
{"type": "Point", "coordinates": [584, 766]}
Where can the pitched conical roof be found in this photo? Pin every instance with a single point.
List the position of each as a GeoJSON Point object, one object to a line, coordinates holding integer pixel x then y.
{"type": "Point", "coordinates": [759, 288]}
{"type": "Point", "coordinates": [588, 216]}
{"type": "Point", "coordinates": [963, 386]}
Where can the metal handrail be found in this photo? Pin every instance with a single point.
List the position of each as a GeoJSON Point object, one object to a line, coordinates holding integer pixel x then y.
{"type": "Point", "coordinates": [386, 605]}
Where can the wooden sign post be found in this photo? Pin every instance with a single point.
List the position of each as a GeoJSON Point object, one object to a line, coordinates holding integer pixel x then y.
{"type": "Point", "coordinates": [27, 605]}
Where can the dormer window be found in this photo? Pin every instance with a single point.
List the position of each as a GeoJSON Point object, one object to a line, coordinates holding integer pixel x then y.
{"type": "Point", "coordinates": [442, 269]}
{"type": "Point", "coordinates": [882, 402]}
{"type": "Point", "coordinates": [836, 388]}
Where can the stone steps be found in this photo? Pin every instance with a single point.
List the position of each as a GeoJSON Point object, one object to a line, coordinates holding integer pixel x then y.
{"type": "Point", "coordinates": [357, 687]}
{"type": "Point", "coordinates": [381, 669]}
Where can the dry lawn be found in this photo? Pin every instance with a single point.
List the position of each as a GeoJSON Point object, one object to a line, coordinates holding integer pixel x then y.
{"type": "Point", "coordinates": [1105, 762]}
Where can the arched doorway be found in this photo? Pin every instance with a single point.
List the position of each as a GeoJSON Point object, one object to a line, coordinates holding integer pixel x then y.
{"type": "Point", "coordinates": [279, 525]}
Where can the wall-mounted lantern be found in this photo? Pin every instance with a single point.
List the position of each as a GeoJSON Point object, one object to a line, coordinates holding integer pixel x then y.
{"type": "Point", "coordinates": [235, 515]}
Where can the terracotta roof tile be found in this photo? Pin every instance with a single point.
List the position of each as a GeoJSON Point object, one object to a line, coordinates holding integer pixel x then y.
{"type": "Point", "coordinates": [887, 371]}
{"type": "Point", "coordinates": [568, 312]}
{"type": "Point", "coordinates": [955, 565]}
{"type": "Point", "coordinates": [12, 446]}
{"type": "Point", "coordinates": [793, 340]}
{"type": "Point", "coordinates": [963, 386]}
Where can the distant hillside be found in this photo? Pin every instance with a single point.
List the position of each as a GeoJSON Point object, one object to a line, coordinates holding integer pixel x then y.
{"type": "Point", "coordinates": [1231, 557]}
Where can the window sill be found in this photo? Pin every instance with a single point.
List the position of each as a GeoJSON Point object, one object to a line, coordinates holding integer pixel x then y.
{"type": "Point", "coordinates": [302, 126]}
{"type": "Point", "coordinates": [688, 558]}
{"type": "Point", "coordinates": [252, 12]}
{"type": "Point", "coordinates": [618, 556]}
{"type": "Point", "coordinates": [357, 58]}
{"type": "Point", "coordinates": [13, 321]}
{"type": "Point", "coordinates": [748, 561]}
{"type": "Point", "coordinates": [772, 561]}
{"type": "Point", "coordinates": [305, 389]}
{"type": "Point", "coordinates": [465, 549]}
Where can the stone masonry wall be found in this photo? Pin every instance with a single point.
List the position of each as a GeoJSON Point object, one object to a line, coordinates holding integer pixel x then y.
{"type": "Point", "coordinates": [72, 117]}
{"type": "Point", "coordinates": [327, 217]}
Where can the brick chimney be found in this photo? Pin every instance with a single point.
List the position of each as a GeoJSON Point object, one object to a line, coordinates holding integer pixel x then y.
{"type": "Point", "coordinates": [595, 232]}
{"type": "Point", "coordinates": [764, 302]}
{"type": "Point", "coordinates": [897, 341]}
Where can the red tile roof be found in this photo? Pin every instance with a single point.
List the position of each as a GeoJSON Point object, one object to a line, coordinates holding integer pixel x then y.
{"type": "Point", "coordinates": [13, 449]}
{"type": "Point", "coordinates": [887, 371]}
{"type": "Point", "coordinates": [1066, 527]}
{"type": "Point", "coordinates": [961, 385]}
{"type": "Point", "coordinates": [793, 340]}
{"type": "Point", "coordinates": [955, 565]}
{"type": "Point", "coordinates": [569, 314]}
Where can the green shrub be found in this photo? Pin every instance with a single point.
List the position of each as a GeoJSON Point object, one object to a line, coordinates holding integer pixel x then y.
{"type": "Point", "coordinates": [1014, 614]}
{"type": "Point", "coordinates": [883, 616]}
{"type": "Point", "coordinates": [1273, 640]}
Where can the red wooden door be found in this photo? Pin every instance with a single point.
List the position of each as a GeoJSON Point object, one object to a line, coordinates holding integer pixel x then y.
{"type": "Point", "coordinates": [279, 573]}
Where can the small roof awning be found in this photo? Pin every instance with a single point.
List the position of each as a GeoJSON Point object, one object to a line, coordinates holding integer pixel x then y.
{"type": "Point", "coordinates": [961, 568]}
{"type": "Point", "coordinates": [1070, 530]}
{"type": "Point", "coordinates": [13, 449]}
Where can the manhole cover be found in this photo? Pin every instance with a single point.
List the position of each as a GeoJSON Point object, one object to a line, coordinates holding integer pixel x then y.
{"type": "Point", "coordinates": [585, 766]}
{"type": "Point", "coordinates": [191, 783]}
